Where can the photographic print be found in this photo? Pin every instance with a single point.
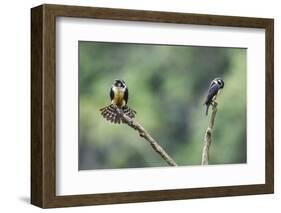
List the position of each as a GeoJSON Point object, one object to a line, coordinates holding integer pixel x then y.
{"type": "Point", "coordinates": [153, 105]}
{"type": "Point", "coordinates": [140, 96]}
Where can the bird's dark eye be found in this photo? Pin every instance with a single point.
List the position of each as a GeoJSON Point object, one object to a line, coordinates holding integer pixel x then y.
{"type": "Point", "coordinates": [219, 82]}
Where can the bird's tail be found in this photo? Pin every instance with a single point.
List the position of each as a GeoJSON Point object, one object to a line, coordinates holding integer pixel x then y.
{"type": "Point", "coordinates": [110, 114]}
{"type": "Point", "coordinates": [207, 109]}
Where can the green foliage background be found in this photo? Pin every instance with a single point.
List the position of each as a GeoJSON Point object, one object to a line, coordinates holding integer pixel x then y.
{"type": "Point", "coordinates": [167, 87]}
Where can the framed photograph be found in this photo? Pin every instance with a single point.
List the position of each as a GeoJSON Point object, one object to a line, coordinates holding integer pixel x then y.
{"type": "Point", "coordinates": [136, 106]}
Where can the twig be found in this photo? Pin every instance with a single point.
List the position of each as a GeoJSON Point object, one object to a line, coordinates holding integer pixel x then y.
{"type": "Point", "coordinates": [143, 133]}
{"type": "Point", "coordinates": [208, 135]}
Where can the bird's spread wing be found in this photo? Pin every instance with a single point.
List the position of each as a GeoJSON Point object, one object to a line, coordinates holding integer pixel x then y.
{"type": "Point", "coordinates": [110, 114]}
{"type": "Point", "coordinates": [129, 112]}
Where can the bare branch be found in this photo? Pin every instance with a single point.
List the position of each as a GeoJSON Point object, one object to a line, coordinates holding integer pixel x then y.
{"type": "Point", "coordinates": [144, 134]}
{"type": "Point", "coordinates": [208, 135]}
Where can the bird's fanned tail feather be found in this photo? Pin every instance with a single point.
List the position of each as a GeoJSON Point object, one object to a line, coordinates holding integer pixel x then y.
{"type": "Point", "coordinates": [110, 114]}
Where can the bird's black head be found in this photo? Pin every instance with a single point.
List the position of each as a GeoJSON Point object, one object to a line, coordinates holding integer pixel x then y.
{"type": "Point", "coordinates": [119, 83]}
{"type": "Point", "coordinates": [219, 82]}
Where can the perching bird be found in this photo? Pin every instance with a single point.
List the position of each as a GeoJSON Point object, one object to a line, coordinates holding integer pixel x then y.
{"type": "Point", "coordinates": [216, 85]}
{"type": "Point", "coordinates": [119, 95]}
